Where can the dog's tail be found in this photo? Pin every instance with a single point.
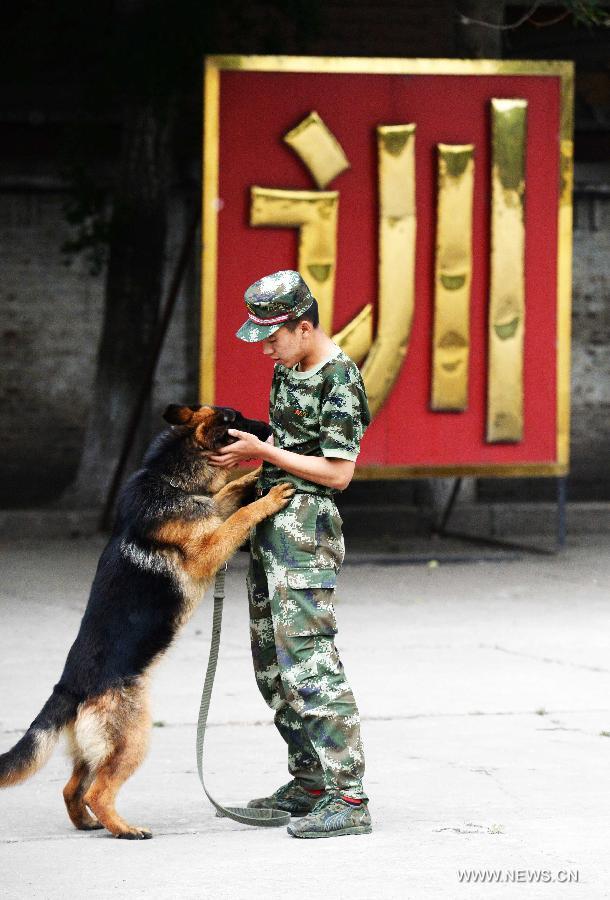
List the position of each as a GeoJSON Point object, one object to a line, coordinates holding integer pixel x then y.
{"type": "Point", "coordinates": [35, 747]}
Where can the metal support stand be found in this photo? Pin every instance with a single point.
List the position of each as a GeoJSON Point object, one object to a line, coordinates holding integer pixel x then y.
{"type": "Point", "coordinates": [503, 551]}
{"type": "Point", "coordinates": [560, 539]}
{"type": "Point", "coordinates": [562, 490]}
{"type": "Point", "coordinates": [457, 484]}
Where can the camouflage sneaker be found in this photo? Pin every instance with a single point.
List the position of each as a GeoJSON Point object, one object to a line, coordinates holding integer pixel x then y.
{"type": "Point", "coordinates": [331, 817]}
{"type": "Point", "coordinates": [290, 797]}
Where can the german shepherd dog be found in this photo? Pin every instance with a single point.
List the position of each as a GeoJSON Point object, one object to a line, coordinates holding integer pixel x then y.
{"type": "Point", "coordinates": [179, 519]}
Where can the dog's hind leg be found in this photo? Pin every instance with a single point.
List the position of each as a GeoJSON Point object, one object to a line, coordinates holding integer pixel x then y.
{"type": "Point", "coordinates": [74, 793]}
{"type": "Point", "coordinates": [125, 719]}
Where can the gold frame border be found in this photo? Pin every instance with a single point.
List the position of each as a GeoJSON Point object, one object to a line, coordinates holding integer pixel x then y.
{"type": "Point", "coordinates": [562, 69]}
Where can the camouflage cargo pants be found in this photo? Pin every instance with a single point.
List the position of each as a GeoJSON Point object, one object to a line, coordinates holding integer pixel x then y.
{"type": "Point", "coordinates": [294, 560]}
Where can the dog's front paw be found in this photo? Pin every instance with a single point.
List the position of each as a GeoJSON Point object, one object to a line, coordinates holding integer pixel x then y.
{"type": "Point", "coordinates": [246, 482]}
{"type": "Point", "coordinates": [279, 495]}
{"type": "Point", "coordinates": [135, 833]}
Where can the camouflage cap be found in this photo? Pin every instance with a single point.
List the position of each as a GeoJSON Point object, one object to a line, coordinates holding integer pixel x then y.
{"type": "Point", "coordinates": [272, 301]}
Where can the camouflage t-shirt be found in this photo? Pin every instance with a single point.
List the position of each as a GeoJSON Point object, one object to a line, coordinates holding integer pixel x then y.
{"type": "Point", "coordinates": [320, 412]}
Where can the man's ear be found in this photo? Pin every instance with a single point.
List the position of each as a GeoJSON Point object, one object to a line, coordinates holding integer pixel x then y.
{"type": "Point", "coordinates": [179, 415]}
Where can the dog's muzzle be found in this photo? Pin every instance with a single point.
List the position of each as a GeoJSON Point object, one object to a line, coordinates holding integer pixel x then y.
{"type": "Point", "coordinates": [232, 418]}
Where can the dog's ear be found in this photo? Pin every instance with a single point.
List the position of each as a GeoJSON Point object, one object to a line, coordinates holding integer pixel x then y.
{"type": "Point", "coordinates": [179, 415]}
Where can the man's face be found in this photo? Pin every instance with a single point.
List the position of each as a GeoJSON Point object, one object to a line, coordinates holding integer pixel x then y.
{"type": "Point", "coordinates": [287, 347]}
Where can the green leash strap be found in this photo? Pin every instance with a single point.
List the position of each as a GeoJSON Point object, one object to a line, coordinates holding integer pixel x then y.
{"type": "Point", "coordinates": [267, 818]}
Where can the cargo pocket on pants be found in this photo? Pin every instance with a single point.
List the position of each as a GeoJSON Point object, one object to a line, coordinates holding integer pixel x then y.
{"type": "Point", "coordinates": [310, 601]}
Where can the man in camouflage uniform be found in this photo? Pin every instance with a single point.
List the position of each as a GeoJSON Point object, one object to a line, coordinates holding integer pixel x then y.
{"type": "Point", "coordinates": [318, 414]}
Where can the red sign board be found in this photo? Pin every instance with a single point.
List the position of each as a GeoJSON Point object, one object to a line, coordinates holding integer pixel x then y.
{"type": "Point", "coordinates": [253, 102]}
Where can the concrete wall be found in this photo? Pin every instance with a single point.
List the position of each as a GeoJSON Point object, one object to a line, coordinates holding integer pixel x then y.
{"type": "Point", "coordinates": [591, 344]}
{"type": "Point", "coordinates": [50, 319]}
{"type": "Point", "coordinates": [50, 316]}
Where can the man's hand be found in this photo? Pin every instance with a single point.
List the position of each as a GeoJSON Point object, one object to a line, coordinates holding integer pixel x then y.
{"type": "Point", "coordinates": [248, 446]}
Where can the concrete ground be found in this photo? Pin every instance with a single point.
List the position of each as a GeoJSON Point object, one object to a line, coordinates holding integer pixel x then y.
{"type": "Point", "coordinates": [484, 690]}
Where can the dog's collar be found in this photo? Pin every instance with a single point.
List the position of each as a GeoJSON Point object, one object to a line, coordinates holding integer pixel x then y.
{"type": "Point", "coordinates": [173, 484]}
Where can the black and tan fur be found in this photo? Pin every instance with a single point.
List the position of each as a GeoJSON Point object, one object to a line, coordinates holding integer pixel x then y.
{"type": "Point", "coordinates": [179, 519]}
